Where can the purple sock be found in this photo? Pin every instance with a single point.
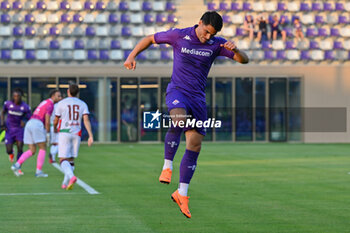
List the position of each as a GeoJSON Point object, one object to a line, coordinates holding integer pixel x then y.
{"type": "Point", "coordinates": [188, 166]}
{"type": "Point", "coordinates": [171, 142]}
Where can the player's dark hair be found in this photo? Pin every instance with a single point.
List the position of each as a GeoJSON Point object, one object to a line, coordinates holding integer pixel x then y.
{"type": "Point", "coordinates": [18, 90]}
{"type": "Point", "coordinates": [53, 92]}
{"type": "Point", "coordinates": [213, 18]}
{"type": "Point", "coordinates": [73, 89]}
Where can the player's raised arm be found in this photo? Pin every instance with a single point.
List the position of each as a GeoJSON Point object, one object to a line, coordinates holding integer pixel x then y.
{"type": "Point", "coordinates": [88, 129]}
{"type": "Point", "coordinates": [130, 62]}
{"type": "Point", "coordinates": [239, 56]}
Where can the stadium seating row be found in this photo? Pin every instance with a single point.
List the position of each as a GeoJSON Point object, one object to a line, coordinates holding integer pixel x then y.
{"type": "Point", "coordinates": [88, 5]}
{"type": "Point", "coordinates": [272, 6]}
{"type": "Point", "coordinates": [113, 18]}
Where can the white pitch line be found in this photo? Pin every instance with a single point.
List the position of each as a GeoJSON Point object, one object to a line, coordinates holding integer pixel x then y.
{"type": "Point", "coordinates": [35, 194]}
{"type": "Point", "coordinates": [81, 183]}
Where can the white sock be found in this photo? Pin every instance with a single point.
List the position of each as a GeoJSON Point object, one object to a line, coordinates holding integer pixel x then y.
{"type": "Point", "coordinates": [66, 178]}
{"type": "Point", "coordinates": [53, 151]}
{"type": "Point", "coordinates": [168, 164]}
{"type": "Point", "coordinates": [67, 169]}
{"type": "Point", "coordinates": [183, 188]}
{"type": "Point", "coordinates": [38, 170]}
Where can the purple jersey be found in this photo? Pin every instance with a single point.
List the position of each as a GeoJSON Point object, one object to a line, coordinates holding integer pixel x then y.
{"type": "Point", "coordinates": [16, 113]}
{"type": "Point", "coordinates": [192, 59]}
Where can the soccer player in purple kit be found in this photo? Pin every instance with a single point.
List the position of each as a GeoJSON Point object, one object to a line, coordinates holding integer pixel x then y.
{"type": "Point", "coordinates": [17, 112]}
{"type": "Point", "coordinates": [195, 49]}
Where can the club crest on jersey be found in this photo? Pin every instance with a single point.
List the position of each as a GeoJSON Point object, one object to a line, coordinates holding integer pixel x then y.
{"type": "Point", "coordinates": [187, 37]}
{"type": "Point", "coordinates": [175, 102]}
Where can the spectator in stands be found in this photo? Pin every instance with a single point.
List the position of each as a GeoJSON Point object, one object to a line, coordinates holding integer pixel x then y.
{"type": "Point", "coordinates": [276, 28]}
{"type": "Point", "coordinates": [249, 26]}
{"type": "Point", "coordinates": [263, 34]}
{"type": "Point", "coordinates": [298, 30]}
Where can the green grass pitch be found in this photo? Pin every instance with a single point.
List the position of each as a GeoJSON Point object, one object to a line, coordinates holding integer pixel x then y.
{"type": "Point", "coordinates": [236, 188]}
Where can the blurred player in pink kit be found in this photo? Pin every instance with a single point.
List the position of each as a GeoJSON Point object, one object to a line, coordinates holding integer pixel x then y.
{"type": "Point", "coordinates": [35, 135]}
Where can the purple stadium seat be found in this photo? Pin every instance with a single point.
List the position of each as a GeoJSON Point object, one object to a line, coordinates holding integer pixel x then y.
{"type": "Point", "coordinates": [5, 5]}
{"type": "Point", "coordinates": [311, 32]}
{"type": "Point", "coordinates": [342, 19]}
{"type": "Point", "coordinates": [65, 18]}
{"type": "Point", "coordinates": [17, 5]}
{"type": "Point", "coordinates": [338, 45]}
{"type": "Point", "coordinates": [30, 31]}
{"type": "Point", "coordinates": [327, 6]}
{"type": "Point", "coordinates": [304, 6]}
{"type": "Point", "coordinates": [88, 5]}
{"type": "Point", "coordinates": [123, 6]}
{"type": "Point", "coordinates": [319, 19]}
{"type": "Point", "coordinates": [286, 19]}
{"type": "Point", "coordinates": [90, 31]}
{"type": "Point", "coordinates": [92, 55]}
{"type": "Point", "coordinates": [147, 6]}
{"type": "Point", "coordinates": [100, 5]}
{"type": "Point", "coordinates": [5, 54]}
{"type": "Point", "coordinates": [329, 55]}
{"type": "Point", "coordinates": [339, 6]}
{"type": "Point", "coordinates": [41, 5]}
{"type": "Point", "coordinates": [30, 54]}
{"type": "Point", "coordinates": [165, 55]}
{"type": "Point", "coordinates": [281, 6]}
{"type": "Point", "coordinates": [115, 44]}
{"type": "Point", "coordinates": [335, 32]}
{"type": "Point", "coordinates": [170, 6]}
{"type": "Point", "coordinates": [126, 54]}
{"type": "Point", "coordinates": [142, 56]}
{"type": "Point", "coordinates": [79, 44]}
{"type": "Point", "coordinates": [77, 18]}
{"type": "Point", "coordinates": [113, 18]}
{"type": "Point", "coordinates": [5, 18]}
{"type": "Point", "coordinates": [212, 6]}
{"type": "Point", "coordinates": [65, 5]}
{"type": "Point", "coordinates": [268, 55]}
{"type": "Point", "coordinates": [322, 32]}
{"type": "Point", "coordinates": [163, 46]}
{"type": "Point", "coordinates": [281, 55]}
{"type": "Point", "coordinates": [54, 31]}
{"type": "Point", "coordinates": [172, 18]}
{"type": "Point", "coordinates": [314, 44]}
{"type": "Point", "coordinates": [153, 46]}
{"type": "Point", "coordinates": [148, 19]}
{"type": "Point", "coordinates": [54, 44]}
{"type": "Point", "coordinates": [305, 55]}
{"type": "Point", "coordinates": [290, 44]}
{"type": "Point", "coordinates": [266, 45]}
{"type": "Point", "coordinates": [316, 6]}
{"type": "Point", "coordinates": [247, 6]}
{"type": "Point", "coordinates": [17, 44]}
{"type": "Point", "coordinates": [235, 6]}
{"type": "Point", "coordinates": [226, 19]}
{"type": "Point", "coordinates": [289, 31]}
{"type": "Point", "coordinates": [125, 18]}
{"type": "Point", "coordinates": [17, 31]}
{"type": "Point", "coordinates": [104, 55]}
{"type": "Point", "coordinates": [240, 32]}
{"type": "Point", "coordinates": [224, 6]}
{"type": "Point", "coordinates": [29, 18]}
{"type": "Point", "coordinates": [160, 18]}
{"type": "Point", "coordinates": [126, 31]}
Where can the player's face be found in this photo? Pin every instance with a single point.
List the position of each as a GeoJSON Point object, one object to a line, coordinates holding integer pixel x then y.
{"type": "Point", "coordinates": [205, 32]}
{"type": "Point", "coordinates": [16, 97]}
{"type": "Point", "coordinates": [57, 97]}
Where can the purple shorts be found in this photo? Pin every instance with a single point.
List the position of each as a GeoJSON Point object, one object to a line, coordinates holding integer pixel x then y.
{"type": "Point", "coordinates": [13, 135]}
{"type": "Point", "coordinates": [196, 108]}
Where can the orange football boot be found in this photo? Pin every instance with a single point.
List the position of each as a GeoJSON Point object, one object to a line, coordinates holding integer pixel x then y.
{"type": "Point", "coordinates": [182, 201]}
{"type": "Point", "coordinates": [165, 177]}
{"type": "Point", "coordinates": [11, 157]}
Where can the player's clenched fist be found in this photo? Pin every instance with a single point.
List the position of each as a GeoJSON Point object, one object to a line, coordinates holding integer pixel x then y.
{"type": "Point", "coordinates": [229, 46]}
{"type": "Point", "coordinates": [130, 64]}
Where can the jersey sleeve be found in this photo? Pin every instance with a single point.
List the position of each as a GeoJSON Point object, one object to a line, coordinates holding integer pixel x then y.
{"type": "Point", "coordinates": [85, 109]}
{"type": "Point", "coordinates": [224, 52]}
{"type": "Point", "coordinates": [58, 110]}
{"type": "Point", "coordinates": [49, 109]}
{"type": "Point", "coordinates": [167, 37]}
{"type": "Point", "coordinates": [28, 112]}
{"type": "Point", "coordinates": [4, 108]}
